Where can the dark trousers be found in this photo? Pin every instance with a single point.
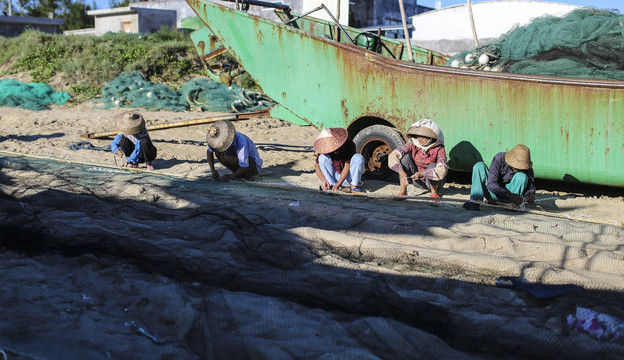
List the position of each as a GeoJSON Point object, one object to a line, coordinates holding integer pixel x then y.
{"type": "Point", "coordinates": [148, 150]}
{"type": "Point", "coordinates": [410, 168]}
{"type": "Point", "coordinates": [229, 159]}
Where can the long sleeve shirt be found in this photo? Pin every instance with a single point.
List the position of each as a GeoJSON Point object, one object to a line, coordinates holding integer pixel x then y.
{"type": "Point", "coordinates": [500, 174]}
{"type": "Point", "coordinates": [136, 153]}
{"type": "Point", "coordinates": [422, 158]}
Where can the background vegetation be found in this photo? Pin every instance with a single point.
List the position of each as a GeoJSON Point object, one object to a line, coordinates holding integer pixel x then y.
{"type": "Point", "coordinates": [81, 65]}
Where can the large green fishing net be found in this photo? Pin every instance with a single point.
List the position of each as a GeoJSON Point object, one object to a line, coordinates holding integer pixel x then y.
{"type": "Point", "coordinates": [586, 43]}
{"type": "Point", "coordinates": [133, 90]}
{"type": "Point", "coordinates": [35, 96]}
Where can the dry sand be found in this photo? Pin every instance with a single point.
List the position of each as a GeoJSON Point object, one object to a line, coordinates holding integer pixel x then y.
{"type": "Point", "coordinates": [111, 264]}
{"type": "Point", "coordinates": [286, 150]}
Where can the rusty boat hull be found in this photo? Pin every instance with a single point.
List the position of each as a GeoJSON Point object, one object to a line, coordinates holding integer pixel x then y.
{"type": "Point", "coordinates": [573, 127]}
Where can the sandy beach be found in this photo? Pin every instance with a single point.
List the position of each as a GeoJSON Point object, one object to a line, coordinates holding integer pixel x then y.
{"type": "Point", "coordinates": [102, 262]}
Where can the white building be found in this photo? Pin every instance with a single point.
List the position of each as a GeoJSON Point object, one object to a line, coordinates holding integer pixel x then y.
{"type": "Point", "coordinates": [131, 19]}
{"type": "Point", "coordinates": [448, 30]}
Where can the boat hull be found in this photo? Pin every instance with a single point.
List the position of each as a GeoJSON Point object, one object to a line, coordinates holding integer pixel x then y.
{"type": "Point", "coordinates": [573, 127]}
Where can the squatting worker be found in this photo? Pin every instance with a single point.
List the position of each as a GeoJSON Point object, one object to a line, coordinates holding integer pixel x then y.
{"type": "Point", "coordinates": [234, 150]}
{"type": "Point", "coordinates": [509, 179]}
{"type": "Point", "coordinates": [133, 141]}
{"type": "Point", "coordinates": [337, 162]}
{"type": "Point", "coordinates": [422, 161]}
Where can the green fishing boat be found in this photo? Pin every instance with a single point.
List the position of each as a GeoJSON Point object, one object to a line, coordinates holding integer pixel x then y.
{"type": "Point", "coordinates": [327, 75]}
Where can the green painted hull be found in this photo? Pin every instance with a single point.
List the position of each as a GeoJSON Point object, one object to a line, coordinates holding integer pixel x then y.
{"type": "Point", "coordinates": [574, 127]}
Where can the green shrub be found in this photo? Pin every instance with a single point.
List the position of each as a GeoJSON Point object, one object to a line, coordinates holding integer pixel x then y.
{"type": "Point", "coordinates": [84, 63]}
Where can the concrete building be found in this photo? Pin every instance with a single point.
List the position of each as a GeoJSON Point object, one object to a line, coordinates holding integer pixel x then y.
{"type": "Point", "coordinates": [139, 16]}
{"type": "Point", "coordinates": [182, 9]}
{"type": "Point", "coordinates": [14, 25]}
{"type": "Point", "coordinates": [448, 30]}
{"type": "Point", "coordinates": [363, 13]}
{"type": "Point", "coordinates": [131, 19]}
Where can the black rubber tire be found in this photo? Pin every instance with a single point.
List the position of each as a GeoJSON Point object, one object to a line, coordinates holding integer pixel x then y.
{"type": "Point", "coordinates": [372, 137]}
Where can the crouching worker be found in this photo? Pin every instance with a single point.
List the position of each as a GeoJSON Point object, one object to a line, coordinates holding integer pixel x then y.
{"type": "Point", "coordinates": [234, 150]}
{"type": "Point", "coordinates": [337, 163]}
{"type": "Point", "coordinates": [509, 179]}
{"type": "Point", "coordinates": [422, 161]}
{"type": "Point", "coordinates": [133, 141]}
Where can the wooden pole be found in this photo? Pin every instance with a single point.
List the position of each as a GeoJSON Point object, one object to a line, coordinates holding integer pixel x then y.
{"type": "Point", "coordinates": [337, 27]}
{"type": "Point", "coordinates": [474, 30]}
{"type": "Point", "coordinates": [233, 117]}
{"type": "Point", "coordinates": [407, 37]}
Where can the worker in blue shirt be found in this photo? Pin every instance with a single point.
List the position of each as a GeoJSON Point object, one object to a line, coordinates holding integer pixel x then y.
{"type": "Point", "coordinates": [234, 150]}
{"type": "Point", "coordinates": [133, 141]}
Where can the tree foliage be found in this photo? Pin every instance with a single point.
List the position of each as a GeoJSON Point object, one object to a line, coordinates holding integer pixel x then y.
{"type": "Point", "coordinates": [74, 12]}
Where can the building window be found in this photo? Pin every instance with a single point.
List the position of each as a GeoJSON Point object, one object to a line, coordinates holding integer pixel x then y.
{"type": "Point", "coordinates": [126, 26]}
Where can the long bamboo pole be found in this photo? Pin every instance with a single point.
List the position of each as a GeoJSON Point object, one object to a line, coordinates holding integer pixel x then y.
{"type": "Point", "coordinates": [407, 37]}
{"type": "Point", "coordinates": [233, 117]}
{"type": "Point", "coordinates": [472, 23]}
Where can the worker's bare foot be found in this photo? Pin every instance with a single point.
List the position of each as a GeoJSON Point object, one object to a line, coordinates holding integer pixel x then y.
{"type": "Point", "coordinates": [403, 191]}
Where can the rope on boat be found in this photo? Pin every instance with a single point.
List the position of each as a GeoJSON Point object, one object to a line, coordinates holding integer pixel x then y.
{"type": "Point", "coordinates": [291, 186]}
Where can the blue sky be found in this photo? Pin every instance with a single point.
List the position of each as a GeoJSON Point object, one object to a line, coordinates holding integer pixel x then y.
{"type": "Point", "coordinates": [602, 4]}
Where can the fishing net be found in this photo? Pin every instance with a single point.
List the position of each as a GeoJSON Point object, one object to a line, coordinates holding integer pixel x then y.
{"type": "Point", "coordinates": [35, 96]}
{"type": "Point", "coordinates": [586, 43]}
{"type": "Point", "coordinates": [133, 90]}
{"type": "Point", "coordinates": [103, 263]}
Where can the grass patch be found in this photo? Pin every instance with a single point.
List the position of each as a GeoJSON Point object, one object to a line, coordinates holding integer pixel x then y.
{"type": "Point", "coordinates": [80, 65]}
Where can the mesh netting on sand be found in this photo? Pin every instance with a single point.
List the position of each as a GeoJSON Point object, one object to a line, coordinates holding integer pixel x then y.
{"type": "Point", "coordinates": [105, 263]}
{"type": "Point", "coordinates": [35, 96]}
{"type": "Point", "coordinates": [133, 90]}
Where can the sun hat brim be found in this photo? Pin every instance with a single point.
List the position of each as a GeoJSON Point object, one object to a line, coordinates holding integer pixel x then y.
{"type": "Point", "coordinates": [129, 123]}
{"type": "Point", "coordinates": [519, 157]}
{"type": "Point", "coordinates": [421, 131]}
{"type": "Point", "coordinates": [330, 140]}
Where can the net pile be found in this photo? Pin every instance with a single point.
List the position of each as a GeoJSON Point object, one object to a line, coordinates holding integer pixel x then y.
{"type": "Point", "coordinates": [35, 96]}
{"type": "Point", "coordinates": [586, 43]}
{"type": "Point", "coordinates": [133, 90]}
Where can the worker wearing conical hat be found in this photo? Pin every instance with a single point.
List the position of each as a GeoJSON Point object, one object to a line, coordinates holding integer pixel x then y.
{"type": "Point", "coordinates": [422, 161]}
{"type": "Point", "coordinates": [133, 141]}
{"type": "Point", "coordinates": [337, 162]}
{"type": "Point", "coordinates": [234, 150]}
{"type": "Point", "coordinates": [510, 178]}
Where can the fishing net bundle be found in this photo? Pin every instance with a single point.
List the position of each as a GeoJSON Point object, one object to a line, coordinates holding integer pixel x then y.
{"type": "Point", "coordinates": [586, 43]}
{"type": "Point", "coordinates": [133, 90]}
{"type": "Point", "coordinates": [105, 263]}
{"type": "Point", "coordinates": [34, 96]}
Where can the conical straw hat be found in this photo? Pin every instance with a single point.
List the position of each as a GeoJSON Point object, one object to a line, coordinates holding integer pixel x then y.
{"type": "Point", "coordinates": [418, 130]}
{"type": "Point", "coordinates": [220, 135]}
{"type": "Point", "coordinates": [329, 140]}
{"type": "Point", "coordinates": [519, 157]}
{"type": "Point", "coordinates": [130, 122]}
